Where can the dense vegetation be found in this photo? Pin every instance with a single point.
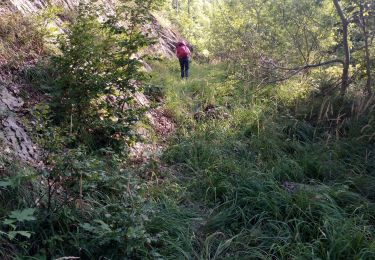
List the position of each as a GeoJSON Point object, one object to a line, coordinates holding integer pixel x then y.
{"type": "Point", "coordinates": [273, 152]}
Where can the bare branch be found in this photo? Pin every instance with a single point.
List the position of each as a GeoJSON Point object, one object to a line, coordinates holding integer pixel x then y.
{"type": "Point", "coordinates": [296, 70]}
{"type": "Point", "coordinates": [309, 66]}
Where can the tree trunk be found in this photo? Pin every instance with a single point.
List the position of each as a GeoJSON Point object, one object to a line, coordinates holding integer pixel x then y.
{"type": "Point", "coordinates": [345, 71]}
{"type": "Point", "coordinates": [175, 5]}
{"type": "Point", "coordinates": [368, 89]}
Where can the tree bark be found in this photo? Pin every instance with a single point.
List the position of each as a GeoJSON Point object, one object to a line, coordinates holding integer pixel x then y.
{"type": "Point", "coordinates": [175, 5]}
{"type": "Point", "coordinates": [368, 89]}
{"type": "Point", "coordinates": [345, 71]}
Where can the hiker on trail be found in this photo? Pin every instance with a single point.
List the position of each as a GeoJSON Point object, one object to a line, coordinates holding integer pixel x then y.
{"type": "Point", "coordinates": [183, 53]}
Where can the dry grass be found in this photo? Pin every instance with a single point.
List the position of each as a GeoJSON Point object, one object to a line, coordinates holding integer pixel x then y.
{"type": "Point", "coordinates": [20, 41]}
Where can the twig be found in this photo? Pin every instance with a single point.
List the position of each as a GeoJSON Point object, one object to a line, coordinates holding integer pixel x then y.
{"type": "Point", "coordinates": [68, 258]}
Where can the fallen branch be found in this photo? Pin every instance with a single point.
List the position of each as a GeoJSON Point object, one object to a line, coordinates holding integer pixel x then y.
{"type": "Point", "coordinates": [309, 66]}
{"type": "Point", "coordinates": [68, 258]}
{"type": "Point", "coordinates": [296, 70]}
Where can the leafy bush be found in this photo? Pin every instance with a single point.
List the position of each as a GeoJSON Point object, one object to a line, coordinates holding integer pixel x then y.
{"type": "Point", "coordinates": [97, 74]}
{"type": "Point", "coordinates": [86, 206]}
{"type": "Point", "coordinates": [82, 201]}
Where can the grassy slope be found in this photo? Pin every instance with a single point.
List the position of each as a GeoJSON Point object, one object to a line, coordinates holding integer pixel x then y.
{"type": "Point", "coordinates": [259, 181]}
{"type": "Point", "coordinates": [263, 175]}
{"type": "Point", "coordinates": [260, 177]}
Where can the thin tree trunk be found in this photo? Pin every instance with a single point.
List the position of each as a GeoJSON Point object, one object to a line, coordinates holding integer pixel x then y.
{"type": "Point", "coordinates": [367, 52]}
{"type": "Point", "coordinates": [175, 5]}
{"type": "Point", "coordinates": [345, 71]}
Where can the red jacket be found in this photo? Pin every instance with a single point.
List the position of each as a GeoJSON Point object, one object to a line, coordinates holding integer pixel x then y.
{"type": "Point", "coordinates": [182, 51]}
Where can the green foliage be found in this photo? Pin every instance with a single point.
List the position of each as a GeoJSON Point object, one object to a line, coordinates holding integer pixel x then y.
{"type": "Point", "coordinates": [97, 75]}
{"type": "Point", "coordinates": [192, 20]}
{"type": "Point", "coordinates": [18, 216]}
{"type": "Point", "coordinates": [282, 171]}
{"type": "Point", "coordinates": [273, 179]}
{"type": "Point", "coordinates": [107, 218]}
{"type": "Point", "coordinates": [82, 201]}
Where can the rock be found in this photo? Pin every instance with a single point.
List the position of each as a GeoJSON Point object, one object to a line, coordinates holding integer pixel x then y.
{"type": "Point", "coordinates": [163, 126]}
{"type": "Point", "coordinates": [167, 38]}
{"type": "Point", "coordinates": [140, 153]}
{"type": "Point", "coordinates": [146, 66]}
{"type": "Point", "coordinates": [211, 112]}
{"type": "Point", "coordinates": [160, 121]}
{"type": "Point", "coordinates": [141, 99]}
{"type": "Point", "coordinates": [7, 99]}
{"type": "Point", "coordinates": [13, 136]}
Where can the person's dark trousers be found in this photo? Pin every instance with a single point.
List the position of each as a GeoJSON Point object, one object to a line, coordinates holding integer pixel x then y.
{"type": "Point", "coordinates": [184, 63]}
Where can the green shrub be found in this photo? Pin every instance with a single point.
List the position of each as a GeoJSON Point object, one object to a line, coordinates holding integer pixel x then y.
{"type": "Point", "coordinates": [97, 74]}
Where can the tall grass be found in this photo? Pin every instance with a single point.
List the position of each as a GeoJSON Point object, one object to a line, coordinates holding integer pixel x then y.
{"type": "Point", "coordinates": [271, 173]}
{"type": "Point", "coordinates": [275, 179]}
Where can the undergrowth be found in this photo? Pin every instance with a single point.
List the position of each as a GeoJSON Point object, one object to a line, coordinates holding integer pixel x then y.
{"type": "Point", "coordinates": [250, 173]}
{"type": "Point", "coordinates": [282, 171]}
{"type": "Point", "coordinates": [21, 41]}
{"type": "Point", "coordinates": [279, 176]}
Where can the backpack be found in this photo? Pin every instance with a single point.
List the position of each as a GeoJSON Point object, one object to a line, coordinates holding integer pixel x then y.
{"type": "Point", "coordinates": [182, 51]}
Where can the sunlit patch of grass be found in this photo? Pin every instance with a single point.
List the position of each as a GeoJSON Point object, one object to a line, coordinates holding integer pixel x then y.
{"type": "Point", "coordinates": [183, 98]}
{"type": "Point", "coordinates": [291, 91]}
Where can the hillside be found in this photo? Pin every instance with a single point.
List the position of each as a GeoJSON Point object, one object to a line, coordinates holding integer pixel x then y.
{"type": "Point", "coordinates": [266, 150]}
{"type": "Point", "coordinates": [14, 137]}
